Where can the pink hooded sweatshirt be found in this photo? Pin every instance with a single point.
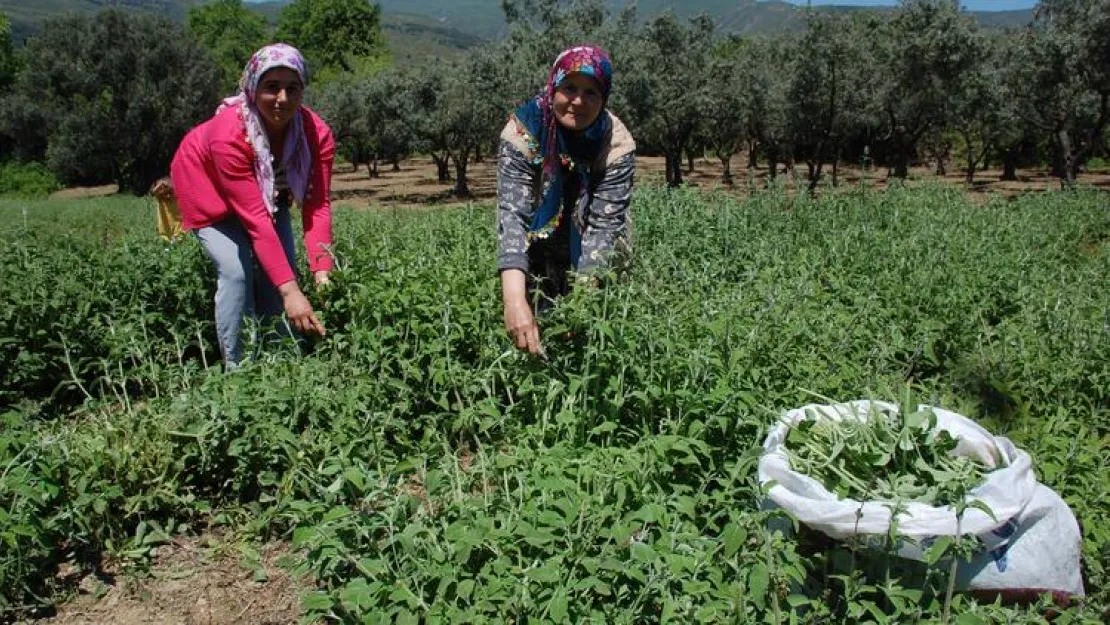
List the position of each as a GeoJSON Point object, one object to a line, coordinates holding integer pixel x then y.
{"type": "Point", "coordinates": [213, 176]}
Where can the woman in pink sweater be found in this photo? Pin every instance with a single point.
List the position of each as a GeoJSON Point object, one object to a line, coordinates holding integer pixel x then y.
{"type": "Point", "coordinates": [236, 176]}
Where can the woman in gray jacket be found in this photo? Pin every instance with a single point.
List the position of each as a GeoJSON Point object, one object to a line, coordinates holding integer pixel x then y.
{"type": "Point", "coordinates": [564, 182]}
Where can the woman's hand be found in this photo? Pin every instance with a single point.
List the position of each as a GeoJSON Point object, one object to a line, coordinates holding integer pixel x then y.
{"type": "Point", "coordinates": [520, 323]}
{"type": "Point", "coordinates": [162, 189]}
{"type": "Point", "coordinates": [299, 311]}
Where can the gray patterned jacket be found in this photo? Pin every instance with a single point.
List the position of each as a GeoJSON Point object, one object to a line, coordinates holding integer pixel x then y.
{"type": "Point", "coordinates": [602, 218]}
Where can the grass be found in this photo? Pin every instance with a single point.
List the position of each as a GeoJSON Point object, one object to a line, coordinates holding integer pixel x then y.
{"type": "Point", "coordinates": [424, 470]}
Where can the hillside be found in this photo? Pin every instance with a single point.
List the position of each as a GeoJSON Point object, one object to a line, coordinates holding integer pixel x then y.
{"type": "Point", "coordinates": [27, 15]}
{"type": "Point", "coordinates": [484, 18]}
{"type": "Point", "coordinates": [438, 28]}
{"type": "Point", "coordinates": [414, 38]}
{"type": "Point", "coordinates": [411, 37]}
{"type": "Point", "coordinates": [1005, 19]}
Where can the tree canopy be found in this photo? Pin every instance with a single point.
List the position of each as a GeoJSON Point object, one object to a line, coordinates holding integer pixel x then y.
{"type": "Point", "coordinates": [7, 53]}
{"type": "Point", "coordinates": [121, 113]}
{"type": "Point", "coordinates": [230, 32]}
{"type": "Point", "coordinates": [337, 36]}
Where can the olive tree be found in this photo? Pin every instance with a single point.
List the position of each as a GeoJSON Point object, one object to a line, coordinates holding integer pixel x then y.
{"type": "Point", "coordinates": [922, 55]}
{"type": "Point", "coordinates": [829, 88]}
{"type": "Point", "coordinates": [1064, 70]}
{"type": "Point", "coordinates": [766, 70]}
{"type": "Point", "coordinates": [983, 114]}
{"type": "Point", "coordinates": [727, 112]}
{"type": "Point", "coordinates": [345, 106]}
{"type": "Point", "coordinates": [665, 87]}
{"type": "Point", "coordinates": [119, 115]}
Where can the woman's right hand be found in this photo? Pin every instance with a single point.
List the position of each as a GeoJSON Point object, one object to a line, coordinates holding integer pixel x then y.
{"type": "Point", "coordinates": [162, 188]}
{"type": "Point", "coordinates": [299, 311]}
{"type": "Point", "coordinates": [520, 323]}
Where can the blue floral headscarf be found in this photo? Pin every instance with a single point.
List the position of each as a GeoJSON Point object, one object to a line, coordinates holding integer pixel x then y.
{"type": "Point", "coordinates": [559, 152]}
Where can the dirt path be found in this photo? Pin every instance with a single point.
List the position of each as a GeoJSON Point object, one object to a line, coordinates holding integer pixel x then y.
{"type": "Point", "coordinates": [195, 581]}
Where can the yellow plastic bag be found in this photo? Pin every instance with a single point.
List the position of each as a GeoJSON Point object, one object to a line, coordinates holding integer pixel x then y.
{"type": "Point", "coordinates": [169, 217]}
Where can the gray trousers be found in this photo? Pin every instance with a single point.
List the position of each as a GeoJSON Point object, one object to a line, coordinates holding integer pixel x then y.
{"type": "Point", "coordinates": [242, 288]}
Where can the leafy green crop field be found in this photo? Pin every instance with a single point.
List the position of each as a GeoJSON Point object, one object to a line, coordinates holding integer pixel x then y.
{"type": "Point", "coordinates": [426, 472]}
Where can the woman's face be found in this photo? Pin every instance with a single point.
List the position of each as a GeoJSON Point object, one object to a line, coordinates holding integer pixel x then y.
{"type": "Point", "coordinates": [578, 102]}
{"type": "Point", "coordinates": [278, 96]}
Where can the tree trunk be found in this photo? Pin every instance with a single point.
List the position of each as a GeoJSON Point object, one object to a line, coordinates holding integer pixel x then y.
{"type": "Point", "coordinates": [674, 168]}
{"type": "Point", "coordinates": [814, 164]}
{"type": "Point", "coordinates": [442, 172]}
{"type": "Point", "coordinates": [396, 160]}
{"type": "Point", "coordinates": [815, 175]}
{"type": "Point", "coordinates": [836, 168]}
{"type": "Point", "coordinates": [726, 169]}
{"type": "Point", "coordinates": [902, 160]}
{"type": "Point", "coordinates": [901, 141]}
{"type": "Point", "coordinates": [772, 165]}
{"type": "Point", "coordinates": [753, 155]}
{"type": "Point", "coordinates": [1067, 158]}
{"type": "Point", "coordinates": [689, 162]}
{"type": "Point", "coordinates": [373, 168]}
{"type": "Point", "coordinates": [1009, 165]}
{"type": "Point", "coordinates": [971, 160]}
{"type": "Point", "coordinates": [461, 189]}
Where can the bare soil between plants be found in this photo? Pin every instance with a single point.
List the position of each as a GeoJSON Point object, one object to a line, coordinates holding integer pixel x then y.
{"type": "Point", "coordinates": [191, 581]}
{"type": "Point", "coordinates": [416, 183]}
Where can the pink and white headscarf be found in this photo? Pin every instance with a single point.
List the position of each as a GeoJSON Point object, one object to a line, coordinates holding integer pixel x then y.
{"type": "Point", "coordinates": [297, 157]}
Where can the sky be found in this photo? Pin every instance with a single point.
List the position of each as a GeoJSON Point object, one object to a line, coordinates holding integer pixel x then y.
{"type": "Point", "coordinates": [973, 5]}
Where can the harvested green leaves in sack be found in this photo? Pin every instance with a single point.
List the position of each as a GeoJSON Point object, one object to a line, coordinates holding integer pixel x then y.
{"type": "Point", "coordinates": [884, 456]}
